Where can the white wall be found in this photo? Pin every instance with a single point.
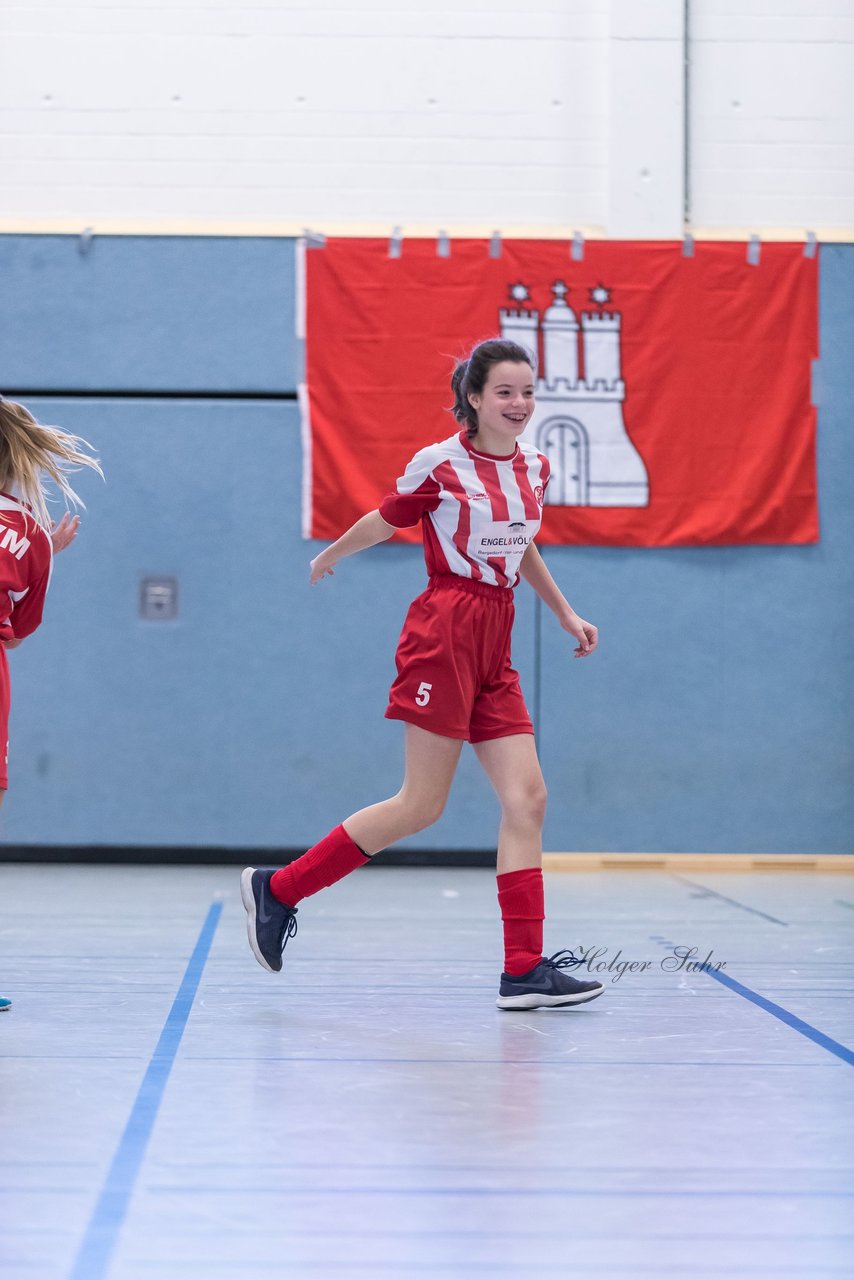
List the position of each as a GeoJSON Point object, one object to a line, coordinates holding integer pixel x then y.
{"type": "Point", "coordinates": [772, 113]}
{"type": "Point", "coordinates": [561, 114]}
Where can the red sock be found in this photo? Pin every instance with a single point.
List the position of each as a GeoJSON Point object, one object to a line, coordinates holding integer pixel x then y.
{"type": "Point", "coordinates": [520, 896]}
{"type": "Point", "coordinates": [332, 858]}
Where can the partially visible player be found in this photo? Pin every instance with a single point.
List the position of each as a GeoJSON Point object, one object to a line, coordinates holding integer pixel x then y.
{"type": "Point", "coordinates": [478, 496]}
{"type": "Point", "coordinates": [30, 455]}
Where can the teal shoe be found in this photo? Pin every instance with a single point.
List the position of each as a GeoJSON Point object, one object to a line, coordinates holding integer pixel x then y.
{"type": "Point", "coordinates": [4, 1003]}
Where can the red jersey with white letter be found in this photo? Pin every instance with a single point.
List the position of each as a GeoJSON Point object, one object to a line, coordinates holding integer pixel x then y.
{"type": "Point", "coordinates": [478, 512]}
{"type": "Point", "coordinates": [26, 559]}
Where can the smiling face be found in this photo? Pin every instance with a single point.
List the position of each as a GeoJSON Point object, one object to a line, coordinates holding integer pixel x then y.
{"type": "Point", "coordinates": [505, 405]}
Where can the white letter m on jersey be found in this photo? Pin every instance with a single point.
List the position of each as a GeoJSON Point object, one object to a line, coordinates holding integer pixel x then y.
{"type": "Point", "coordinates": [15, 545]}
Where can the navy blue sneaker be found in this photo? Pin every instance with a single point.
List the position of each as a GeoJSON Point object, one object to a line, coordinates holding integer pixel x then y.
{"type": "Point", "coordinates": [269, 923]}
{"type": "Point", "coordinates": [5, 1004]}
{"type": "Point", "coordinates": [546, 985]}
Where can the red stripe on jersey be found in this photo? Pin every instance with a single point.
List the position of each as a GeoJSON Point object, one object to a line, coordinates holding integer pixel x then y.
{"type": "Point", "coordinates": [405, 509]}
{"type": "Point", "coordinates": [487, 473]}
{"type": "Point", "coordinates": [545, 471]}
{"type": "Point", "coordinates": [448, 478]}
{"type": "Point", "coordinates": [437, 561]}
{"type": "Point", "coordinates": [498, 565]}
{"type": "Point", "coordinates": [520, 470]}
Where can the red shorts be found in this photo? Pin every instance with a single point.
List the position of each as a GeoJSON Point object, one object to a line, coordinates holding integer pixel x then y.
{"type": "Point", "coordinates": [454, 675]}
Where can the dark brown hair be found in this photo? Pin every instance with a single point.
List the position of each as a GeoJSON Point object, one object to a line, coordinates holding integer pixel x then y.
{"type": "Point", "coordinates": [470, 376]}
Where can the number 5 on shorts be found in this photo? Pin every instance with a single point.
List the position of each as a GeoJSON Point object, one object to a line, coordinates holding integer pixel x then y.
{"type": "Point", "coordinates": [422, 697]}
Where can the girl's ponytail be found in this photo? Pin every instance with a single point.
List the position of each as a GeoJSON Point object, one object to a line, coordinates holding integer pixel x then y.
{"type": "Point", "coordinates": [461, 409]}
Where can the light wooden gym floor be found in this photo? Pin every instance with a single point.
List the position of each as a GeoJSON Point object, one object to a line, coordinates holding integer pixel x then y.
{"type": "Point", "coordinates": [171, 1110]}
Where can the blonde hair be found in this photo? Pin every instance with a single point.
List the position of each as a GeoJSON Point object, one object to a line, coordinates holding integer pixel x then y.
{"type": "Point", "coordinates": [30, 451]}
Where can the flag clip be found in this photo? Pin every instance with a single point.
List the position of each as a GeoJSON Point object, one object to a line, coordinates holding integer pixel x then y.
{"type": "Point", "coordinates": [811, 246]}
{"type": "Point", "coordinates": [576, 251]}
{"type": "Point", "coordinates": [495, 245]}
{"type": "Point", "coordinates": [395, 244]}
{"type": "Point", "coordinates": [753, 251]}
{"type": "Point", "coordinates": [313, 239]}
{"type": "Point", "coordinates": [443, 245]}
{"type": "Point", "coordinates": [687, 245]}
{"type": "Point", "coordinates": [84, 244]}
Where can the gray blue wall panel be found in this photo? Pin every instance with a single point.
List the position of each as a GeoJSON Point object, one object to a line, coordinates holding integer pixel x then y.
{"type": "Point", "coordinates": [147, 313]}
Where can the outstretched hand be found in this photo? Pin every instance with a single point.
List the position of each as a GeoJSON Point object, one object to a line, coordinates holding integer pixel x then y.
{"type": "Point", "coordinates": [63, 534]}
{"type": "Point", "coordinates": [585, 633]}
{"type": "Point", "coordinates": [320, 567]}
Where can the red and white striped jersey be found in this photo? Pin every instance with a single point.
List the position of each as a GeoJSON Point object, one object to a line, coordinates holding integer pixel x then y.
{"type": "Point", "coordinates": [26, 560]}
{"type": "Point", "coordinates": [478, 512]}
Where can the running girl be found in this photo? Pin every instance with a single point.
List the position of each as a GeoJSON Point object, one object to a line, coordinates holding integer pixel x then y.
{"type": "Point", "coordinates": [479, 497]}
{"type": "Point", "coordinates": [28, 539]}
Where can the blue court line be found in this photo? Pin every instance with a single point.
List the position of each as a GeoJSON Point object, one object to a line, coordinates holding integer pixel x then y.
{"type": "Point", "coordinates": [95, 1253]}
{"type": "Point", "coordinates": [733, 903]}
{"type": "Point", "coordinates": [777, 1011]}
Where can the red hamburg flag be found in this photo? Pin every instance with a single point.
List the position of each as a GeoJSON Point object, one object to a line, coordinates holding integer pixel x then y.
{"type": "Point", "coordinates": [673, 392]}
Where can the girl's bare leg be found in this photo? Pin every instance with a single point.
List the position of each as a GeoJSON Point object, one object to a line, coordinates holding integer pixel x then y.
{"type": "Point", "coordinates": [431, 762]}
{"type": "Point", "coordinates": [512, 766]}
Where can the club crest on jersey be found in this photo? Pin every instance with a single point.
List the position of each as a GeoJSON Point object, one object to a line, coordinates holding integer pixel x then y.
{"type": "Point", "coordinates": [539, 494]}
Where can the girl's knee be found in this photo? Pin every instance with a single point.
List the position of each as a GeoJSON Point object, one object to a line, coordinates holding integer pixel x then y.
{"type": "Point", "coordinates": [527, 806]}
{"type": "Point", "coordinates": [430, 813]}
{"type": "Point", "coordinates": [423, 811]}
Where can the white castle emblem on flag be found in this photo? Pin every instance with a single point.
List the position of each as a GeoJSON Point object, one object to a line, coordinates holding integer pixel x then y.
{"type": "Point", "coordinates": [578, 421]}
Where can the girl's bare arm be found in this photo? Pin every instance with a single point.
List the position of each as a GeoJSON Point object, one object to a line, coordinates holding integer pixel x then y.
{"type": "Point", "coordinates": [535, 572]}
{"type": "Point", "coordinates": [365, 533]}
